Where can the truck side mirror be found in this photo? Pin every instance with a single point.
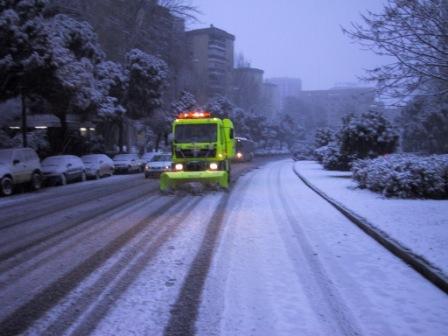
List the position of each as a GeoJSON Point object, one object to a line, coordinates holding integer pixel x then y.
{"type": "Point", "coordinates": [16, 161]}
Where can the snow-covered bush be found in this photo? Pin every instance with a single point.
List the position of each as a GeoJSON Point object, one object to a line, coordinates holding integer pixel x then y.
{"type": "Point", "coordinates": [405, 176]}
{"type": "Point", "coordinates": [323, 136]}
{"type": "Point", "coordinates": [361, 136]}
{"type": "Point", "coordinates": [367, 136]}
{"type": "Point", "coordinates": [332, 158]}
{"type": "Point", "coordinates": [302, 151]}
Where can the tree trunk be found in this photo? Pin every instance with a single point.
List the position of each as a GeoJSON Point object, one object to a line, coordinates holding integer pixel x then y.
{"type": "Point", "coordinates": [64, 132]}
{"type": "Point", "coordinates": [24, 122]}
{"type": "Point", "coordinates": [120, 133]}
{"type": "Point", "coordinates": [158, 138]}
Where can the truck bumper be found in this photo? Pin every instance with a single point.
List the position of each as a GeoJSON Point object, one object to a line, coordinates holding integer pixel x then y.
{"type": "Point", "coordinates": [172, 179]}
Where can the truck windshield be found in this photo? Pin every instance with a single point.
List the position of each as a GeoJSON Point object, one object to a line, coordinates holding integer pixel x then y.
{"type": "Point", "coordinates": [195, 133]}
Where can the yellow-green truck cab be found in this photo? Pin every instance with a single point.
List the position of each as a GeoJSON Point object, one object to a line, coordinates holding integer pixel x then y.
{"type": "Point", "coordinates": [202, 147]}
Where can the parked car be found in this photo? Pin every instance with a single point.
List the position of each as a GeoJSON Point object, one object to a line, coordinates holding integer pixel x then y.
{"type": "Point", "coordinates": [63, 169]}
{"type": "Point", "coordinates": [19, 166]}
{"type": "Point", "coordinates": [98, 165]}
{"type": "Point", "coordinates": [127, 163]}
{"type": "Point", "coordinates": [158, 164]}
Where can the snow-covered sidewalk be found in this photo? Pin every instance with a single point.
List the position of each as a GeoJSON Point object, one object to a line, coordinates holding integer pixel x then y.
{"type": "Point", "coordinates": [418, 225]}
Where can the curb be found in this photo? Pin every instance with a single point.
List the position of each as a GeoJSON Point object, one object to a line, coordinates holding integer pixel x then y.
{"type": "Point", "coordinates": [433, 275]}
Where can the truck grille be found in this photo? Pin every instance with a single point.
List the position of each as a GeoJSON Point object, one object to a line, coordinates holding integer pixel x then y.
{"type": "Point", "coordinates": [196, 166]}
{"type": "Point", "coordinates": [195, 153]}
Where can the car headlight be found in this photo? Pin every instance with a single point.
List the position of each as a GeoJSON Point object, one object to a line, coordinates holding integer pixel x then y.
{"type": "Point", "coordinates": [147, 167]}
{"type": "Point", "coordinates": [239, 155]}
{"type": "Point", "coordinates": [213, 166]}
{"type": "Point", "coordinates": [179, 166]}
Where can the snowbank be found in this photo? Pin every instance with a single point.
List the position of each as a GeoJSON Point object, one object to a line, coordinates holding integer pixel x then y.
{"type": "Point", "coordinates": [419, 225]}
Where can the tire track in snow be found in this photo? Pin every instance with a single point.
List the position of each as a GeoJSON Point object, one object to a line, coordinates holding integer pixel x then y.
{"type": "Point", "coordinates": [25, 315]}
{"type": "Point", "coordinates": [67, 240]}
{"type": "Point", "coordinates": [99, 298]}
{"type": "Point", "coordinates": [67, 225]}
{"type": "Point", "coordinates": [185, 311]}
{"type": "Point", "coordinates": [322, 294]}
{"type": "Point", "coordinates": [15, 215]}
{"type": "Point", "coordinates": [44, 195]}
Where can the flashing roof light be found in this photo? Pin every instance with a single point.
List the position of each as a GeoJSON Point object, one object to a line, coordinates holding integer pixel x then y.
{"type": "Point", "coordinates": [194, 115]}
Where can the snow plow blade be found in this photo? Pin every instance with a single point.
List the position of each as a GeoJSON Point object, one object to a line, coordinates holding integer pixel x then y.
{"type": "Point", "coordinates": [170, 180]}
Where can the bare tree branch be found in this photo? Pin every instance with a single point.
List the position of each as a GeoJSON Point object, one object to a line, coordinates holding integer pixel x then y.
{"type": "Point", "coordinates": [415, 34]}
{"type": "Point", "coordinates": [181, 8]}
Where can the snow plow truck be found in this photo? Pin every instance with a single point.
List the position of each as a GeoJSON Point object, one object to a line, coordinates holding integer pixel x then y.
{"type": "Point", "coordinates": [202, 149]}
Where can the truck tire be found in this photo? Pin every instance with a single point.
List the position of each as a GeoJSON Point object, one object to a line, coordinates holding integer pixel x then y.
{"type": "Point", "coordinates": [6, 186]}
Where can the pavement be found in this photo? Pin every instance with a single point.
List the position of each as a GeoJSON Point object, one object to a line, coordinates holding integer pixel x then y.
{"type": "Point", "coordinates": [268, 257]}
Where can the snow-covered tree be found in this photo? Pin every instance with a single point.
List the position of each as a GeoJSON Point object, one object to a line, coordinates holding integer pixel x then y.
{"type": "Point", "coordinates": [162, 119]}
{"type": "Point", "coordinates": [75, 53]}
{"type": "Point", "coordinates": [147, 79]}
{"type": "Point", "coordinates": [367, 135]}
{"type": "Point", "coordinates": [425, 125]}
{"type": "Point", "coordinates": [289, 131]}
{"type": "Point", "coordinates": [185, 102]}
{"type": "Point", "coordinates": [25, 54]}
{"type": "Point", "coordinates": [220, 106]}
{"type": "Point", "coordinates": [113, 81]}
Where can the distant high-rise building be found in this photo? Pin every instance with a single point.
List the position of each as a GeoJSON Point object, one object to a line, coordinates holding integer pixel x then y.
{"type": "Point", "coordinates": [212, 53]}
{"type": "Point", "coordinates": [271, 101]}
{"type": "Point", "coordinates": [287, 87]}
{"type": "Point", "coordinates": [247, 88]}
{"type": "Point", "coordinates": [335, 103]}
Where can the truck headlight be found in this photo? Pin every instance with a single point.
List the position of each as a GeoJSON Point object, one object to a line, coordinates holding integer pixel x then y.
{"type": "Point", "coordinates": [213, 166]}
{"type": "Point", "coordinates": [179, 166]}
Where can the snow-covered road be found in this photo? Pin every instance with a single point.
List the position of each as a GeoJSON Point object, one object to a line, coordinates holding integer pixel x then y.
{"type": "Point", "coordinates": [268, 258]}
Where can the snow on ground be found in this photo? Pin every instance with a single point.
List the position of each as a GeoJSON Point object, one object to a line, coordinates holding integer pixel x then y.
{"type": "Point", "coordinates": [289, 264]}
{"type": "Point", "coordinates": [58, 190]}
{"type": "Point", "coordinates": [419, 225]}
{"type": "Point", "coordinates": [132, 293]}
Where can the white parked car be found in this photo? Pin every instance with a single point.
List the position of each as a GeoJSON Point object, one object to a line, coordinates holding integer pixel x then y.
{"type": "Point", "coordinates": [127, 163]}
{"type": "Point", "coordinates": [17, 166]}
{"type": "Point", "coordinates": [159, 164]}
{"type": "Point", "coordinates": [98, 165]}
{"type": "Point", "coordinates": [63, 169]}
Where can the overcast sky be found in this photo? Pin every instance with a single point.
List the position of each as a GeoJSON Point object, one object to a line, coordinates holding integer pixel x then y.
{"type": "Point", "coordinates": [295, 38]}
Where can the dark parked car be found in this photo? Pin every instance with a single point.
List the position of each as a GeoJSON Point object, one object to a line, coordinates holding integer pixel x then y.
{"type": "Point", "coordinates": [63, 169]}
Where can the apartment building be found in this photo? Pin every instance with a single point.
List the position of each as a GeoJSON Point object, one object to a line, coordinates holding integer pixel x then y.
{"type": "Point", "coordinates": [212, 54]}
